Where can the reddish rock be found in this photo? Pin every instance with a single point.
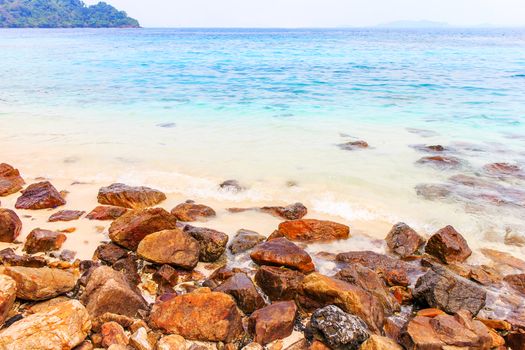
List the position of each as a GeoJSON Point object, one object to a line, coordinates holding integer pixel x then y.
{"type": "Point", "coordinates": [109, 253]}
{"type": "Point", "coordinates": [503, 258]}
{"type": "Point", "coordinates": [282, 252]}
{"type": "Point", "coordinates": [516, 281]}
{"type": "Point", "coordinates": [245, 240]}
{"type": "Point", "coordinates": [40, 283]}
{"type": "Point", "coordinates": [448, 246]}
{"type": "Point", "coordinates": [10, 225]}
{"type": "Point", "coordinates": [104, 212]}
{"type": "Point", "coordinates": [170, 247]}
{"type": "Point", "coordinates": [403, 240]}
{"type": "Point", "coordinates": [41, 195]}
{"type": "Point", "coordinates": [166, 276]}
{"type": "Point", "coordinates": [201, 315]}
{"type": "Point", "coordinates": [291, 212]}
{"type": "Point", "coordinates": [10, 180]}
{"type": "Point", "coordinates": [515, 340]}
{"type": "Point", "coordinates": [190, 211]}
{"type": "Point", "coordinates": [243, 290]}
{"type": "Point", "coordinates": [113, 333]}
{"type": "Point", "coordinates": [311, 230]}
{"type": "Point", "coordinates": [320, 290]}
{"type": "Point", "coordinates": [279, 283]}
{"type": "Point", "coordinates": [212, 243]}
{"type": "Point", "coordinates": [272, 322]}
{"type": "Point", "coordinates": [10, 258]}
{"type": "Point", "coordinates": [353, 145]}
{"type": "Point", "coordinates": [442, 162]}
{"type": "Point", "coordinates": [503, 169]}
{"type": "Point", "coordinates": [40, 240]}
{"type": "Point", "coordinates": [129, 229]}
{"type": "Point", "coordinates": [128, 266]}
{"type": "Point", "coordinates": [122, 195]}
{"type": "Point", "coordinates": [7, 296]}
{"type": "Point", "coordinates": [66, 215]}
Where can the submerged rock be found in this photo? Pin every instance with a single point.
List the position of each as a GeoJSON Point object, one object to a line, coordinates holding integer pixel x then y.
{"type": "Point", "coordinates": [339, 329]}
{"type": "Point", "coordinates": [212, 243]}
{"type": "Point", "coordinates": [282, 252]}
{"type": "Point", "coordinates": [66, 215]}
{"type": "Point", "coordinates": [232, 185]}
{"type": "Point", "coordinates": [403, 240]}
{"type": "Point", "coordinates": [190, 211]}
{"type": "Point", "coordinates": [60, 327]}
{"type": "Point", "coordinates": [279, 283]}
{"type": "Point", "coordinates": [10, 180]}
{"type": "Point", "coordinates": [170, 247]}
{"type": "Point", "coordinates": [7, 296]}
{"type": "Point", "coordinates": [245, 240]}
{"type": "Point", "coordinates": [41, 195]}
{"type": "Point", "coordinates": [10, 225]}
{"type": "Point", "coordinates": [448, 245]}
{"type": "Point", "coordinates": [353, 145]}
{"type": "Point", "coordinates": [272, 322]}
{"type": "Point", "coordinates": [40, 283]}
{"type": "Point", "coordinates": [291, 212]}
{"type": "Point", "coordinates": [311, 230]}
{"type": "Point", "coordinates": [243, 290]}
{"type": "Point", "coordinates": [133, 197]}
{"type": "Point", "coordinates": [129, 229]}
{"type": "Point", "coordinates": [503, 169]}
{"type": "Point", "coordinates": [105, 212]}
{"type": "Point", "coordinates": [441, 162]}
{"type": "Point", "coordinates": [40, 240]}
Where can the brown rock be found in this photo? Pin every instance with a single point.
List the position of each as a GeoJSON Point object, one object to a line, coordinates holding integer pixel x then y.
{"type": "Point", "coordinates": [354, 300]}
{"type": "Point", "coordinates": [279, 283]}
{"type": "Point", "coordinates": [7, 296]}
{"type": "Point", "coordinates": [10, 180]}
{"type": "Point", "coordinates": [503, 169]}
{"type": "Point", "coordinates": [139, 340]}
{"type": "Point", "coordinates": [40, 240]}
{"type": "Point", "coordinates": [201, 315]}
{"type": "Point", "coordinates": [311, 230]}
{"type": "Point", "coordinates": [41, 195]}
{"type": "Point", "coordinates": [170, 247]}
{"type": "Point", "coordinates": [515, 340]}
{"type": "Point", "coordinates": [108, 290]}
{"type": "Point", "coordinates": [172, 342]}
{"type": "Point", "coordinates": [113, 333]}
{"type": "Point", "coordinates": [166, 275]}
{"type": "Point", "coordinates": [40, 283]}
{"type": "Point", "coordinates": [121, 195]}
{"type": "Point", "coordinates": [282, 252]}
{"type": "Point", "coordinates": [442, 162]}
{"type": "Point", "coordinates": [104, 212]}
{"type": "Point", "coordinates": [245, 240]}
{"type": "Point", "coordinates": [503, 258]}
{"type": "Point", "coordinates": [353, 145]}
{"type": "Point", "coordinates": [317, 345]}
{"type": "Point", "coordinates": [294, 211]}
{"type": "Point", "coordinates": [242, 289]}
{"type": "Point", "coordinates": [129, 229]}
{"type": "Point", "coordinates": [8, 257]}
{"type": "Point", "coordinates": [376, 342]}
{"type": "Point", "coordinates": [272, 322]}
{"type": "Point", "coordinates": [10, 225]}
{"type": "Point", "coordinates": [190, 211]}
{"type": "Point", "coordinates": [448, 246]}
{"type": "Point", "coordinates": [85, 345]}
{"type": "Point", "coordinates": [212, 243]}
{"type": "Point", "coordinates": [62, 326]}
{"type": "Point", "coordinates": [516, 281]}
{"type": "Point", "coordinates": [66, 215]}
{"type": "Point", "coordinates": [128, 266]}
{"type": "Point", "coordinates": [403, 240]}
{"type": "Point", "coordinates": [109, 253]}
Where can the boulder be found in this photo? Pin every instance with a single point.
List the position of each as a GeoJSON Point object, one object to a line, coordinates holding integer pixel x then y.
{"type": "Point", "coordinates": [279, 283]}
{"type": "Point", "coordinates": [448, 246]}
{"type": "Point", "coordinates": [40, 240]}
{"type": "Point", "coordinates": [282, 252]}
{"type": "Point", "coordinates": [122, 195]}
{"type": "Point", "coordinates": [173, 247]}
{"type": "Point", "coordinates": [60, 327]}
{"type": "Point", "coordinates": [377, 342]}
{"type": "Point", "coordinates": [517, 282]}
{"type": "Point", "coordinates": [7, 296]}
{"type": "Point", "coordinates": [190, 211]}
{"type": "Point", "coordinates": [245, 240]}
{"type": "Point", "coordinates": [311, 230]}
{"type": "Point", "coordinates": [113, 333]}
{"type": "Point", "coordinates": [129, 229]}
{"type": "Point", "coordinates": [200, 315]}
{"type": "Point", "coordinates": [106, 212]}
{"type": "Point", "coordinates": [272, 322]}
{"type": "Point", "coordinates": [172, 342]}
{"type": "Point", "coordinates": [321, 291]}
{"type": "Point", "coordinates": [294, 211]}
{"type": "Point", "coordinates": [66, 215]}
{"type": "Point", "coordinates": [212, 243]}
{"type": "Point", "coordinates": [108, 290]}
{"type": "Point", "coordinates": [109, 253]}
{"type": "Point", "coordinates": [403, 240]}
{"type": "Point", "coordinates": [40, 283]}
{"type": "Point", "coordinates": [338, 329]}
{"type": "Point", "coordinates": [10, 225]}
{"type": "Point", "coordinates": [242, 289]}
{"type": "Point", "coordinates": [41, 195]}
{"type": "Point", "coordinates": [442, 289]}
{"type": "Point", "coordinates": [10, 180]}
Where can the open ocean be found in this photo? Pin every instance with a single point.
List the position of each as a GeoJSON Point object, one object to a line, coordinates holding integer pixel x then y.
{"type": "Point", "coordinates": [184, 109]}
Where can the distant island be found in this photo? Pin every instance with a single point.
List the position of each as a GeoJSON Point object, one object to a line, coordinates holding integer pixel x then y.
{"type": "Point", "coordinates": [62, 14]}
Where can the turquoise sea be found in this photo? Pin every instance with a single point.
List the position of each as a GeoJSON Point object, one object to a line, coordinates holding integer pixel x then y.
{"type": "Point", "coordinates": [186, 108]}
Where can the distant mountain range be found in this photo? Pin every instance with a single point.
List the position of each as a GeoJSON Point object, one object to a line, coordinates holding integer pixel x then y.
{"type": "Point", "coordinates": [62, 14]}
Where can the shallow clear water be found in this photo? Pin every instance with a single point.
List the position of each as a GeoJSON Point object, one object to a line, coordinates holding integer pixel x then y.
{"type": "Point", "coordinates": [183, 109]}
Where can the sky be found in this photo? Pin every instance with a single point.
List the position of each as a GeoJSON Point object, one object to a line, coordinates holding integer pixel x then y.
{"type": "Point", "coordinates": [319, 13]}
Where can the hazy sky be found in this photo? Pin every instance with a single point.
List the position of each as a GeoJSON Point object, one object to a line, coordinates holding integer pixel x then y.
{"type": "Point", "coordinates": [318, 13]}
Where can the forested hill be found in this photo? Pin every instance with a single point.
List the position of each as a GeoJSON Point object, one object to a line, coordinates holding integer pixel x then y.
{"type": "Point", "coordinates": [62, 14]}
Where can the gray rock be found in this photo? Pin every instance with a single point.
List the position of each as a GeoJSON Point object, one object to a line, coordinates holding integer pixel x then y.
{"type": "Point", "coordinates": [245, 240]}
{"type": "Point", "coordinates": [212, 243]}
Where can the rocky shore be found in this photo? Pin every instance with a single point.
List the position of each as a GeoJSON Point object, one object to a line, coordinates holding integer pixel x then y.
{"type": "Point", "coordinates": [164, 280]}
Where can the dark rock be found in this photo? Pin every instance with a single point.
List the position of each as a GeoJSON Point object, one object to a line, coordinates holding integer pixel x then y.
{"type": "Point", "coordinates": [291, 212]}
{"type": "Point", "coordinates": [66, 215]}
{"type": "Point", "coordinates": [109, 253]}
{"type": "Point", "coordinates": [448, 245]}
{"type": "Point", "coordinates": [190, 211]}
{"type": "Point", "coordinates": [122, 195]}
{"type": "Point", "coordinates": [166, 275]}
{"type": "Point", "coordinates": [245, 240]}
{"type": "Point", "coordinates": [442, 289]}
{"type": "Point", "coordinates": [242, 289]}
{"type": "Point", "coordinates": [272, 322]}
{"type": "Point", "coordinates": [515, 340]}
{"type": "Point", "coordinates": [10, 180]}
{"type": "Point", "coordinates": [212, 243]}
{"type": "Point", "coordinates": [40, 240]}
{"type": "Point", "coordinates": [232, 185]}
{"type": "Point", "coordinates": [353, 145]}
{"type": "Point", "coordinates": [41, 195]}
{"type": "Point", "coordinates": [279, 283]}
{"type": "Point", "coordinates": [9, 257]}
{"type": "Point", "coordinates": [173, 247]}
{"type": "Point", "coordinates": [282, 252]}
{"type": "Point", "coordinates": [338, 329]}
{"type": "Point", "coordinates": [403, 240]}
{"type": "Point", "coordinates": [104, 212]}
{"type": "Point", "coordinates": [10, 225]}
{"type": "Point", "coordinates": [128, 266]}
{"type": "Point", "coordinates": [311, 230]}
